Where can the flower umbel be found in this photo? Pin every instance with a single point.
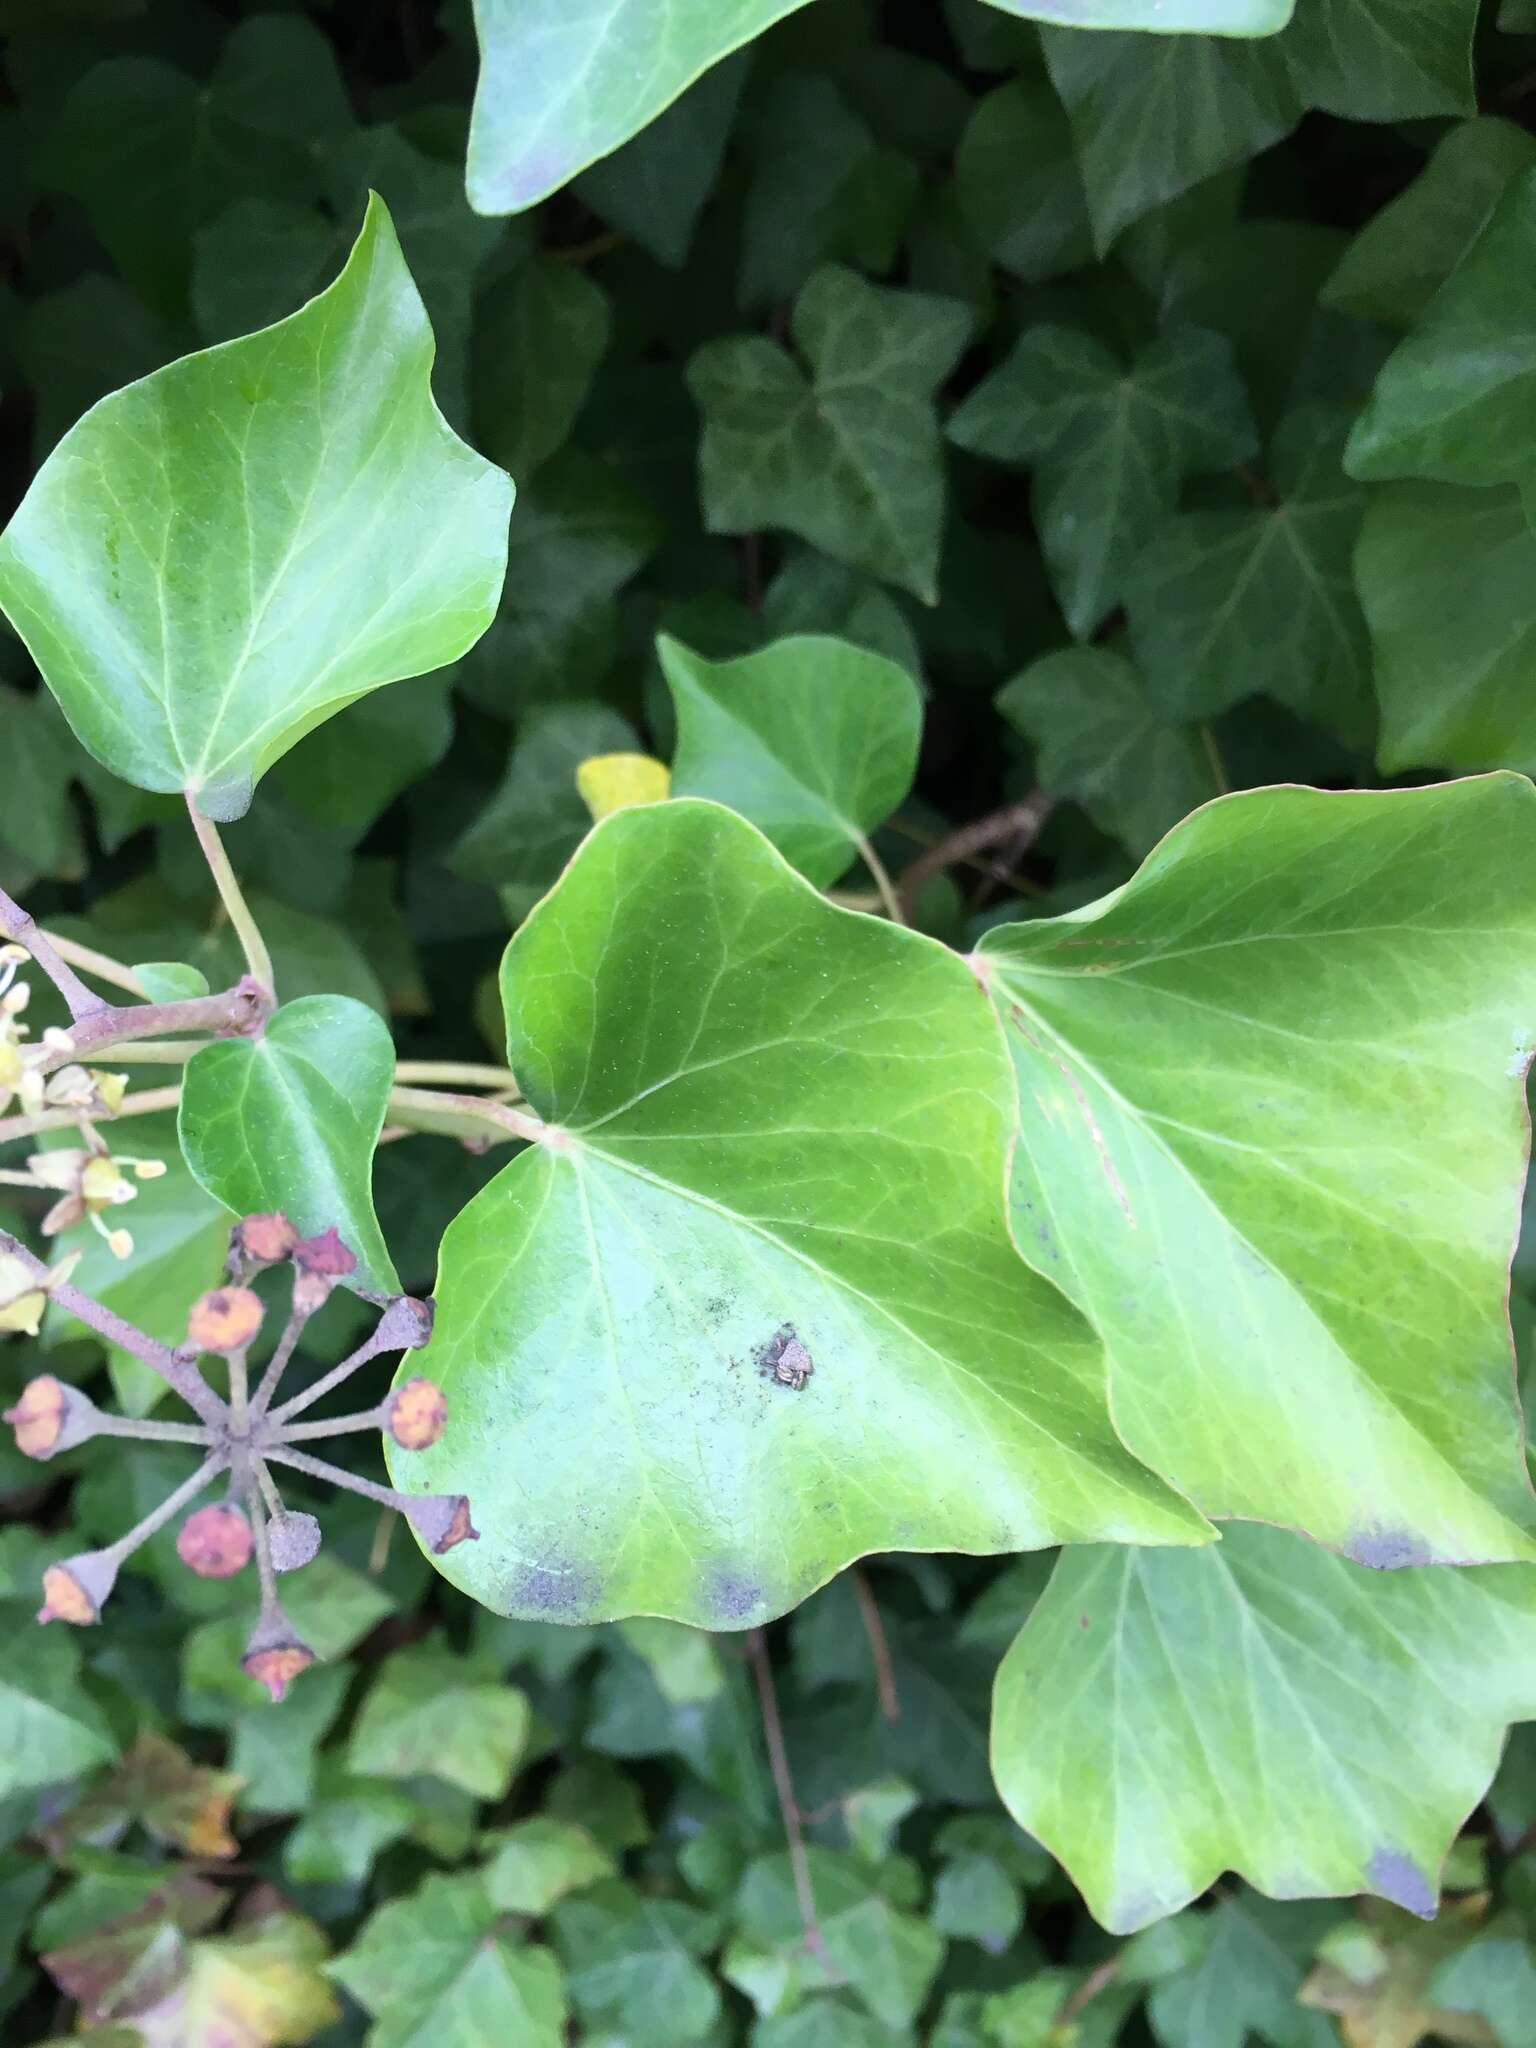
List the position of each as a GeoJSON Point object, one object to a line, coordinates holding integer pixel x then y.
{"type": "Point", "coordinates": [242, 1437]}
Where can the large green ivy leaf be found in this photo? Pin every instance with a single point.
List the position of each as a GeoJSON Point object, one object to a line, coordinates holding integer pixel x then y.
{"type": "Point", "coordinates": [813, 739]}
{"type": "Point", "coordinates": [436, 1966]}
{"type": "Point", "coordinates": [218, 557]}
{"type": "Point", "coordinates": [1101, 740]}
{"type": "Point", "coordinates": [291, 1120]}
{"type": "Point", "coordinates": [848, 457]}
{"type": "Point", "coordinates": [1154, 116]}
{"type": "Point", "coordinates": [430, 1714]}
{"type": "Point", "coordinates": [1457, 399]}
{"type": "Point", "coordinates": [562, 82]}
{"type": "Point", "coordinates": [1448, 581]}
{"type": "Point", "coordinates": [1108, 445]}
{"type": "Point", "coordinates": [1273, 1138]}
{"type": "Point", "coordinates": [1258, 1706]}
{"type": "Point", "coordinates": [1260, 599]}
{"type": "Point", "coordinates": [51, 1729]}
{"type": "Point", "coordinates": [1404, 253]}
{"type": "Point", "coordinates": [768, 1116]}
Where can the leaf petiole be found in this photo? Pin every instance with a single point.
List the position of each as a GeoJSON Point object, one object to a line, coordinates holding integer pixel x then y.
{"type": "Point", "coordinates": [254, 946]}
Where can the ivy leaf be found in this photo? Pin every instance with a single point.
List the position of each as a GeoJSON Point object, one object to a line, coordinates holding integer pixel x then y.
{"type": "Point", "coordinates": [1102, 742]}
{"type": "Point", "coordinates": [1109, 446]}
{"type": "Point", "coordinates": [1154, 116]}
{"type": "Point", "coordinates": [158, 1787]}
{"type": "Point", "coordinates": [1241, 1981]}
{"type": "Point", "coordinates": [813, 739]}
{"type": "Point", "coordinates": [559, 86]}
{"type": "Point", "coordinates": [1018, 184]}
{"type": "Point", "coordinates": [889, 1957]}
{"type": "Point", "coordinates": [257, 1987]}
{"type": "Point", "coordinates": [1227, 604]}
{"type": "Point", "coordinates": [539, 337]}
{"type": "Point", "coordinates": [655, 187]}
{"type": "Point", "coordinates": [1457, 399]}
{"type": "Point", "coordinates": [210, 562]}
{"type": "Point", "coordinates": [539, 1861]}
{"type": "Point", "coordinates": [1215, 1066]}
{"type": "Point", "coordinates": [291, 1121]}
{"type": "Point", "coordinates": [732, 1147]}
{"type": "Point", "coordinates": [1211, 17]}
{"type": "Point", "coordinates": [430, 1714]}
{"type": "Point", "coordinates": [435, 1966]}
{"type": "Point", "coordinates": [1448, 581]}
{"type": "Point", "coordinates": [51, 1730]}
{"type": "Point", "coordinates": [1378, 1700]}
{"type": "Point", "coordinates": [537, 818]}
{"type": "Point", "coordinates": [345, 1825]}
{"type": "Point", "coordinates": [631, 1964]}
{"type": "Point", "coordinates": [1404, 253]}
{"type": "Point", "coordinates": [848, 457]}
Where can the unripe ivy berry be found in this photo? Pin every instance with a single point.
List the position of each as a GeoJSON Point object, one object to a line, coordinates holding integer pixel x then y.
{"type": "Point", "coordinates": [215, 1542]}
{"type": "Point", "coordinates": [263, 1239]}
{"type": "Point", "coordinates": [51, 1417]}
{"type": "Point", "coordinates": [225, 1319]}
{"type": "Point", "coordinates": [294, 1538]}
{"type": "Point", "coordinates": [417, 1414]}
{"type": "Point", "coordinates": [76, 1589]}
{"type": "Point", "coordinates": [275, 1656]}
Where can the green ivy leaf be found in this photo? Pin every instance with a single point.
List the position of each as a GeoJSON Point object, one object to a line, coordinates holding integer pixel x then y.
{"type": "Point", "coordinates": [1102, 741]}
{"type": "Point", "coordinates": [848, 457]}
{"type": "Point", "coordinates": [539, 1861]}
{"type": "Point", "coordinates": [436, 1966]}
{"type": "Point", "coordinates": [210, 562]}
{"type": "Point", "coordinates": [733, 1145]}
{"type": "Point", "coordinates": [1219, 1066]}
{"type": "Point", "coordinates": [1210, 17]}
{"type": "Point", "coordinates": [1196, 1683]}
{"type": "Point", "coordinates": [813, 739]}
{"type": "Point", "coordinates": [1227, 604]}
{"type": "Point", "coordinates": [1018, 185]}
{"type": "Point", "coordinates": [655, 187]}
{"type": "Point", "coordinates": [1108, 445]}
{"type": "Point", "coordinates": [346, 1824]}
{"type": "Point", "coordinates": [539, 338]}
{"type": "Point", "coordinates": [291, 1121]}
{"type": "Point", "coordinates": [51, 1729]}
{"type": "Point", "coordinates": [431, 1714]}
{"type": "Point", "coordinates": [1241, 1982]}
{"type": "Point", "coordinates": [1457, 399]}
{"type": "Point", "coordinates": [631, 1963]}
{"type": "Point", "coordinates": [1153, 116]}
{"type": "Point", "coordinates": [889, 1957]}
{"type": "Point", "coordinates": [1404, 253]}
{"type": "Point", "coordinates": [559, 85]}
{"type": "Point", "coordinates": [1448, 581]}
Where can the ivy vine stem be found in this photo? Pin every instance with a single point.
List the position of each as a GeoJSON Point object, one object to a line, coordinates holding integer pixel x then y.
{"type": "Point", "coordinates": [424, 1106]}
{"type": "Point", "coordinates": [102, 965]}
{"type": "Point", "coordinates": [146, 1103]}
{"type": "Point", "coordinates": [18, 926]}
{"type": "Point", "coordinates": [257, 959]}
{"type": "Point", "coordinates": [461, 1074]}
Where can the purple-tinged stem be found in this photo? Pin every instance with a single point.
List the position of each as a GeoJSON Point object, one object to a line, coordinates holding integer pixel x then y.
{"type": "Point", "coordinates": [277, 1364]}
{"type": "Point", "coordinates": [17, 924]}
{"type": "Point", "coordinates": [145, 1430]}
{"type": "Point", "coordinates": [238, 1011]}
{"type": "Point", "coordinates": [171, 1506]}
{"type": "Point", "coordinates": [371, 1348]}
{"type": "Point", "coordinates": [337, 1475]}
{"type": "Point", "coordinates": [339, 1425]}
{"type": "Point", "coordinates": [178, 1373]}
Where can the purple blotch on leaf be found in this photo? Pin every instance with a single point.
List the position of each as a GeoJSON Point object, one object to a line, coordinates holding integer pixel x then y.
{"type": "Point", "coordinates": [1385, 1550]}
{"type": "Point", "coordinates": [1392, 1875]}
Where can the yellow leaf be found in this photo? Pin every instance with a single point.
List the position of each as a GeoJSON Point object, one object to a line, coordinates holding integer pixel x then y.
{"type": "Point", "coordinates": [612, 782]}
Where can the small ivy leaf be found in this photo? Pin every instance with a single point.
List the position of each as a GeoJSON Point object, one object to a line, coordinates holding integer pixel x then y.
{"type": "Point", "coordinates": [441, 1965]}
{"type": "Point", "coordinates": [559, 86]}
{"type": "Point", "coordinates": [1457, 399]}
{"type": "Point", "coordinates": [632, 1962]}
{"type": "Point", "coordinates": [258, 1986]}
{"type": "Point", "coordinates": [1304, 1024]}
{"type": "Point", "coordinates": [1378, 1700]}
{"type": "Point", "coordinates": [217, 558]}
{"type": "Point", "coordinates": [51, 1730]}
{"type": "Point", "coordinates": [1109, 445]}
{"type": "Point", "coordinates": [849, 456]}
{"type": "Point", "coordinates": [813, 739]}
{"type": "Point", "coordinates": [291, 1121]}
{"type": "Point", "coordinates": [169, 981]}
{"type": "Point", "coordinates": [758, 1099]}
{"type": "Point", "coordinates": [431, 1714]}
{"type": "Point", "coordinates": [1183, 17]}
{"type": "Point", "coordinates": [609, 782]}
